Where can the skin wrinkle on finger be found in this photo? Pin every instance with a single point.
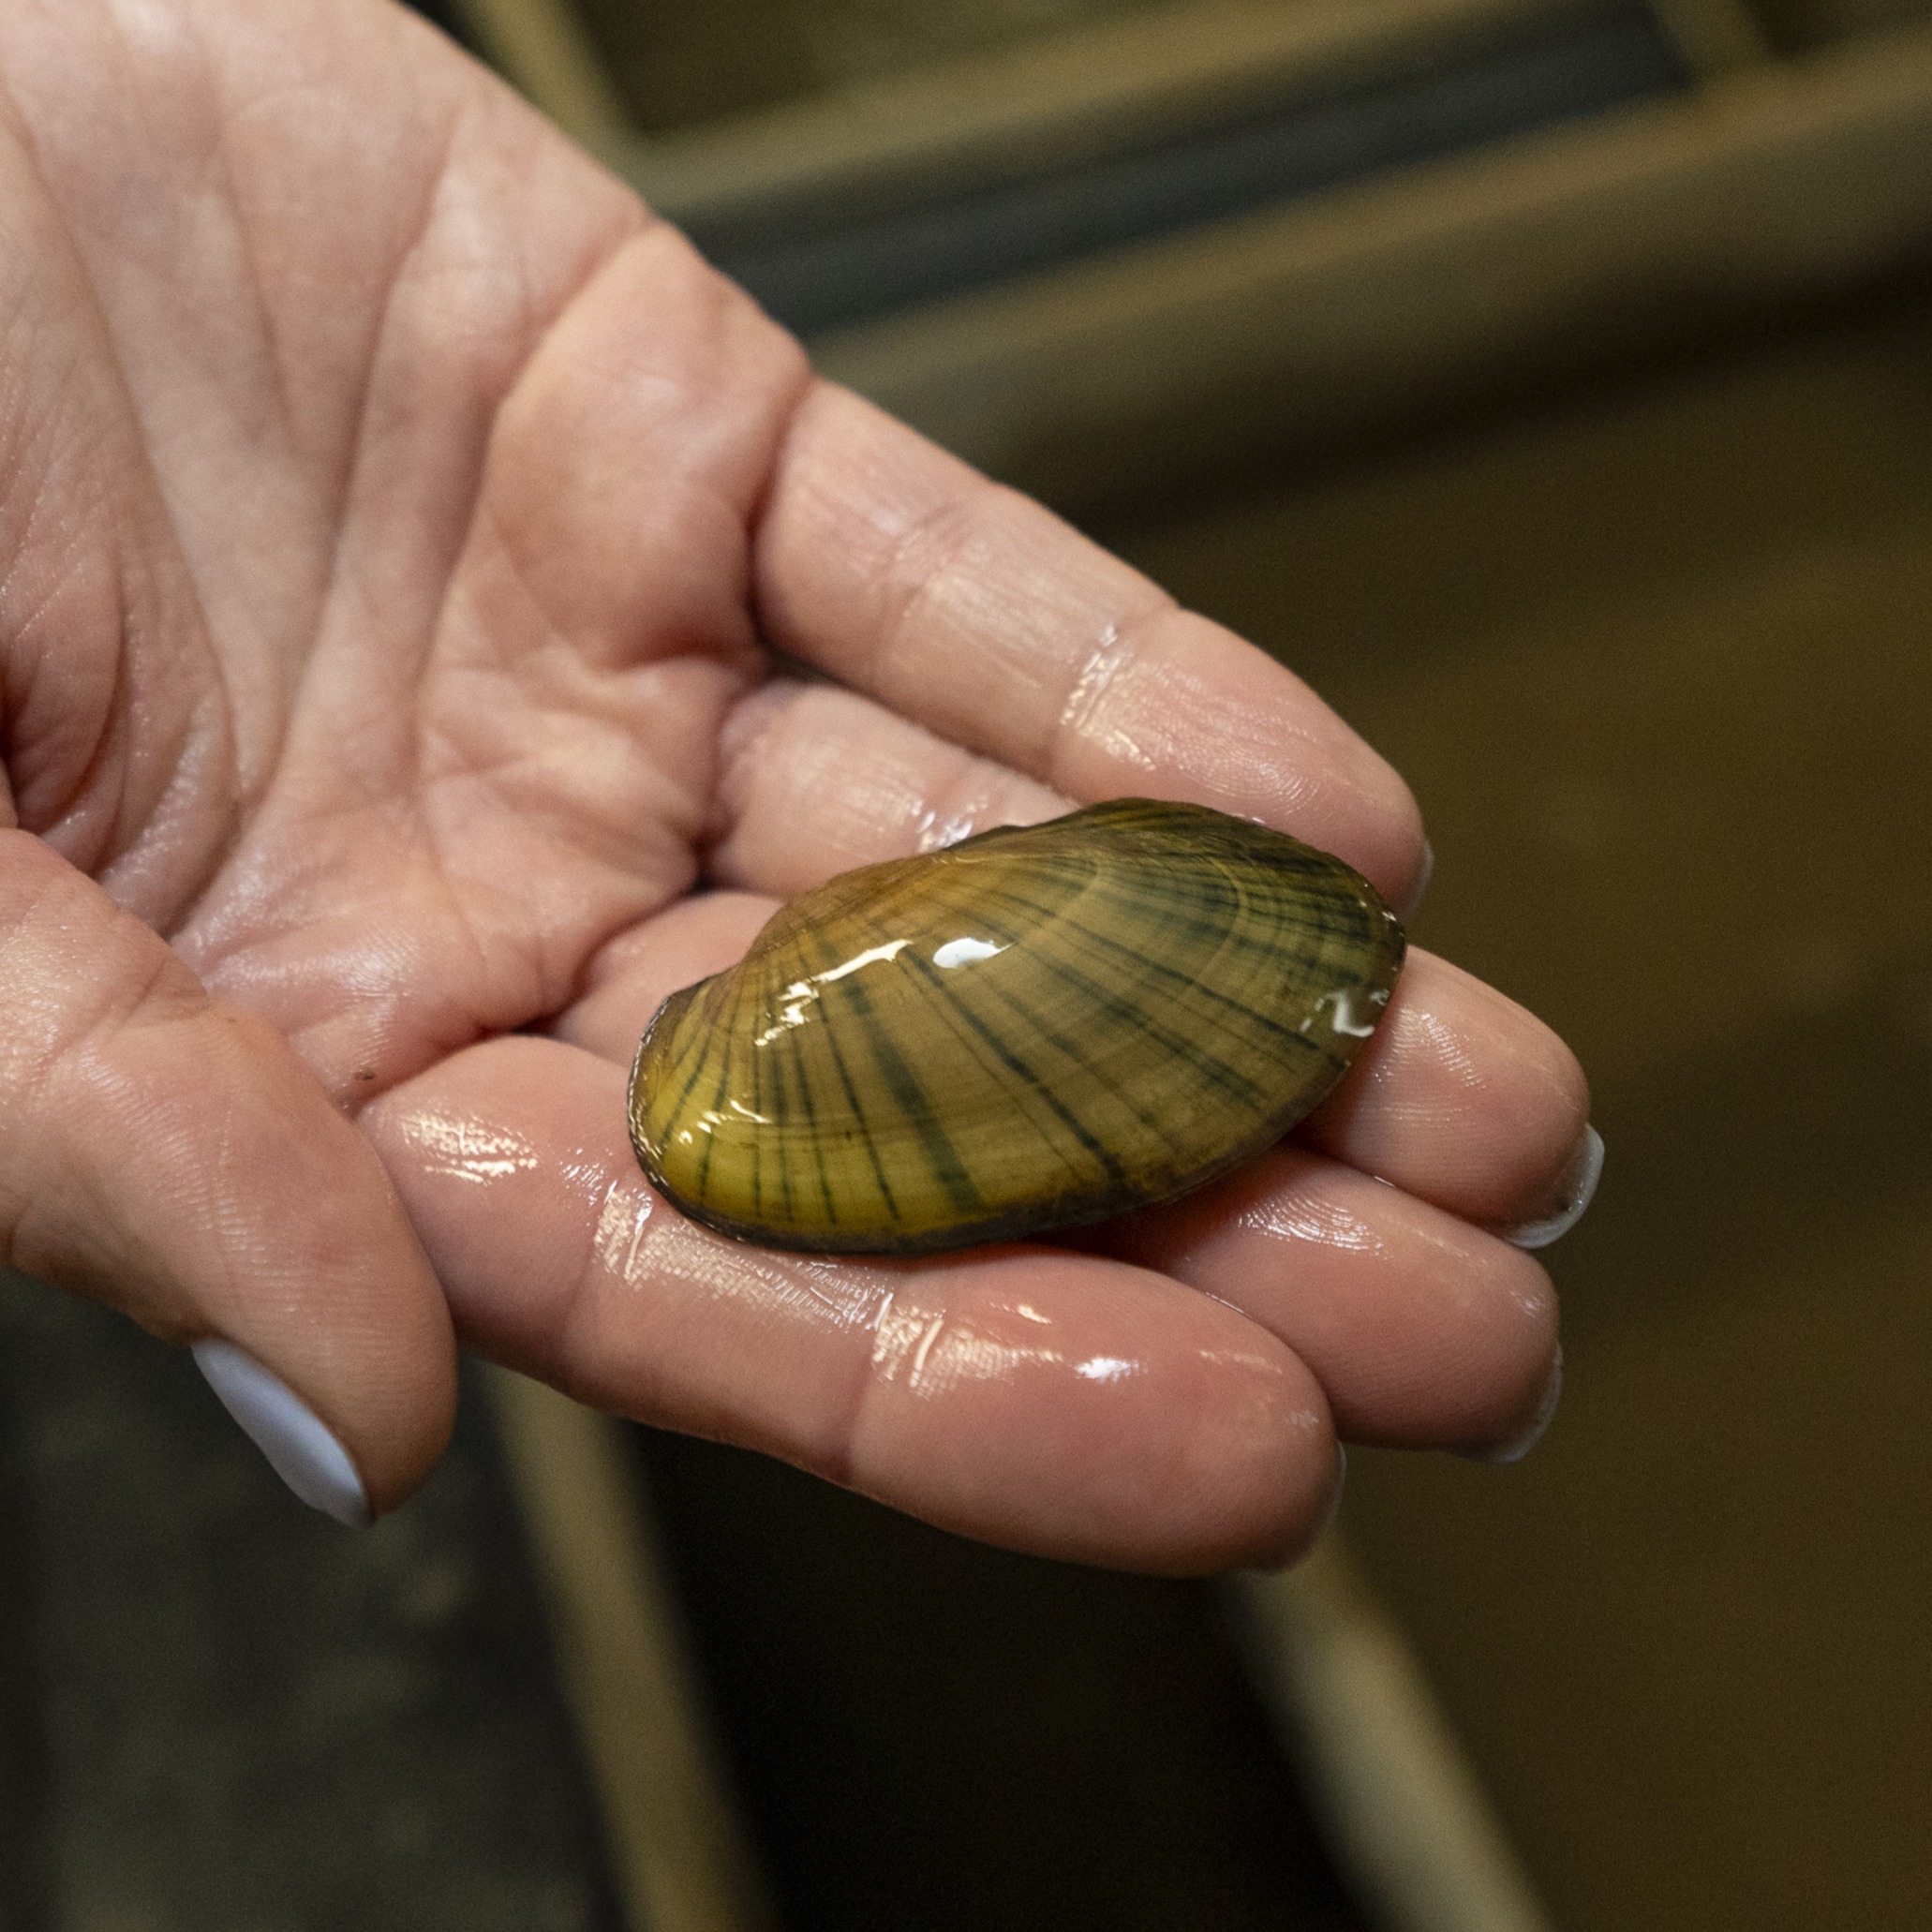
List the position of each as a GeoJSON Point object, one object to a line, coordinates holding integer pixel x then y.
{"type": "Point", "coordinates": [825, 781]}
{"type": "Point", "coordinates": [1302, 1218]}
{"type": "Point", "coordinates": [950, 573]}
{"type": "Point", "coordinates": [658, 1258]}
{"type": "Point", "coordinates": [981, 617]}
{"type": "Point", "coordinates": [470, 1150]}
{"type": "Point", "coordinates": [1103, 731]}
{"type": "Point", "coordinates": [665, 1246]}
{"type": "Point", "coordinates": [968, 587]}
{"type": "Point", "coordinates": [1467, 1262]}
{"type": "Point", "coordinates": [933, 1354]}
{"type": "Point", "coordinates": [1090, 681]}
{"type": "Point", "coordinates": [1153, 710]}
{"type": "Point", "coordinates": [843, 1299]}
{"type": "Point", "coordinates": [641, 1241]}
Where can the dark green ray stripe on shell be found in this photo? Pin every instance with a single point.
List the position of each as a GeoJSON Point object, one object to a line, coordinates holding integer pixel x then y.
{"type": "Point", "coordinates": [1107, 1162]}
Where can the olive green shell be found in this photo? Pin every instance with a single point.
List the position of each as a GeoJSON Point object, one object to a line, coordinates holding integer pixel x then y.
{"type": "Point", "coordinates": [1035, 1027]}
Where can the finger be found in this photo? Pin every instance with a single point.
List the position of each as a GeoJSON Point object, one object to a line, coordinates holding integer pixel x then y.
{"type": "Point", "coordinates": [814, 780]}
{"type": "Point", "coordinates": [1422, 1331]}
{"type": "Point", "coordinates": [169, 1154]}
{"type": "Point", "coordinates": [1463, 1098]}
{"type": "Point", "coordinates": [978, 615]}
{"type": "Point", "coordinates": [1058, 1402]}
{"type": "Point", "coordinates": [634, 975]}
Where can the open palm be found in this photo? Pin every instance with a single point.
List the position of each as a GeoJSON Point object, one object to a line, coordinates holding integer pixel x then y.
{"type": "Point", "coordinates": [394, 523]}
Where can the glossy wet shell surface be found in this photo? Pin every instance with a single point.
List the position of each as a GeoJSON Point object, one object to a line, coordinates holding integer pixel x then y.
{"type": "Point", "coordinates": [1035, 1027]}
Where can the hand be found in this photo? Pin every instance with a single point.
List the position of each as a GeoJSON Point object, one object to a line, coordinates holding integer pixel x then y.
{"type": "Point", "coordinates": [393, 523]}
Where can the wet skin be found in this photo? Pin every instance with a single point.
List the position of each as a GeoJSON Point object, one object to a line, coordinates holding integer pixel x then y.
{"type": "Point", "coordinates": [394, 519]}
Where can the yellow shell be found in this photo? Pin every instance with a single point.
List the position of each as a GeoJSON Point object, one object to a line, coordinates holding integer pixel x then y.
{"type": "Point", "coordinates": [1033, 1028]}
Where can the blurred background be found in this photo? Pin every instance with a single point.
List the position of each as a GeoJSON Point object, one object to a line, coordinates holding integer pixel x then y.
{"type": "Point", "coordinates": [1549, 384]}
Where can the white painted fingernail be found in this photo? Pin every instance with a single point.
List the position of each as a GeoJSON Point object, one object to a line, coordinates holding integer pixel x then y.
{"type": "Point", "coordinates": [1304, 1540]}
{"type": "Point", "coordinates": [1573, 1193]}
{"type": "Point", "coordinates": [1334, 1509]}
{"type": "Point", "coordinates": [1527, 1438]}
{"type": "Point", "coordinates": [1421, 888]}
{"type": "Point", "coordinates": [300, 1447]}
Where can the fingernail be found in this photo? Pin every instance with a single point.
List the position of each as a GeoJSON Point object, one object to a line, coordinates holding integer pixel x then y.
{"type": "Point", "coordinates": [1527, 1438]}
{"type": "Point", "coordinates": [1421, 888]}
{"type": "Point", "coordinates": [1573, 1193]}
{"type": "Point", "coordinates": [300, 1447]}
{"type": "Point", "coordinates": [1334, 1509]}
{"type": "Point", "coordinates": [1287, 1555]}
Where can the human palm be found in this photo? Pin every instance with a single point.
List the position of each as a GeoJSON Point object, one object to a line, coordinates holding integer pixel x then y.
{"type": "Point", "coordinates": [394, 523]}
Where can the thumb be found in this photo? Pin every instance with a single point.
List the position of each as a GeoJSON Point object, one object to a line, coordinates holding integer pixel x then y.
{"type": "Point", "coordinates": [171, 1156]}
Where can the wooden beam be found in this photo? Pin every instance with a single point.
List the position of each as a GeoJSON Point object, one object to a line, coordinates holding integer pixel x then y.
{"type": "Point", "coordinates": [678, 1853]}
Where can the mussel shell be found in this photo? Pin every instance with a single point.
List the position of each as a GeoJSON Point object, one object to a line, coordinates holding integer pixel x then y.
{"type": "Point", "coordinates": [1033, 1028]}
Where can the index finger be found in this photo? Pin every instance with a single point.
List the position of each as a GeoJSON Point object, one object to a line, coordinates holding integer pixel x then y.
{"type": "Point", "coordinates": [906, 575]}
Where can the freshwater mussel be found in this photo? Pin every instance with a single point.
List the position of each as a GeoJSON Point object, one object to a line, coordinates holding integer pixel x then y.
{"type": "Point", "coordinates": [1034, 1029]}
